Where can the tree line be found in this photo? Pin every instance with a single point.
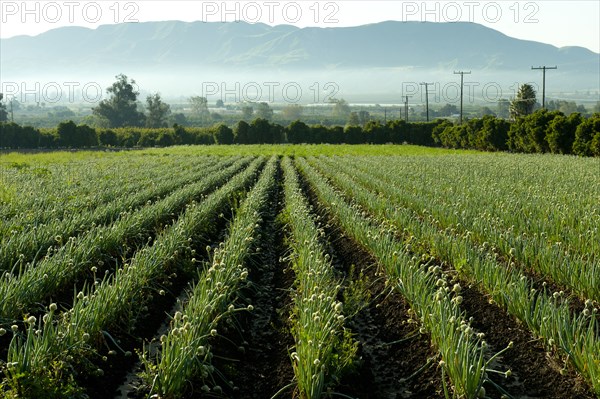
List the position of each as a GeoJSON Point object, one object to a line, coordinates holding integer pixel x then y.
{"type": "Point", "coordinates": [540, 132]}
{"type": "Point", "coordinates": [259, 131]}
{"type": "Point", "coordinates": [529, 130]}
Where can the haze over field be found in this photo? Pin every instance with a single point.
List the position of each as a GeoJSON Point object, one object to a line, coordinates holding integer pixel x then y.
{"type": "Point", "coordinates": [238, 61]}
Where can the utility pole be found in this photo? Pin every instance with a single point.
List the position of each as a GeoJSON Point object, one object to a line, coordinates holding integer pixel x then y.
{"type": "Point", "coordinates": [406, 108]}
{"type": "Point", "coordinates": [544, 68]}
{"type": "Point", "coordinates": [426, 97]}
{"type": "Point", "coordinates": [12, 117]}
{"type": "Point", "coordinates": [461, 73]}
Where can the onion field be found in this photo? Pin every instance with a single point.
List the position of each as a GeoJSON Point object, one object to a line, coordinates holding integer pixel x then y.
{"type": "Point", "coordinates": [299, 272]}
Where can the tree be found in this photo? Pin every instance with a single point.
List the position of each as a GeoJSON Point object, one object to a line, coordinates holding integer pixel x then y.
{"type": "Point", "coordinates": [448, 110]}
{"type": "Point", "coordinates": [364, 117]}
{"type": "Point", "coordinates": [264, 111]}
{"type": "Point", "coordinates": [298, 132]}
{"type": "Point", "coordinates": [493, 134]}
{"type": "Point", "coordinates": [158, 111]}
{"type": "Point", "coordinates": [353, 119]}
{"type": "Point", "coordinates": [200, 107]}
{"type": "Point", "coordinates": [503, 108]}
{"type": "Point", "coordinates": [242, 133]}
{"type": "Point", "coordinates": [596, 108]}
{"type": "Point", "coordinates": [341, 109]}
{"type": "Point", "coordinates": [108, 138]}
{"type": "Point", "coordinates": [223, 134]}
{"type": "Point", "coordinates": [179, 119]}
{"type": "Point", "coordinates": [528, 133]}
{"type": "Point", "coordinates": [524, 103]}
{"type": "Point", "coordinates": [585, 136]}
{"type": "Point", "coordinates": [561, 133]}
{"type": "Point", "coordinates": [220, 104]}
{"type": "Point", "coordinates": [247, 112]}
{"type": "Point", "coordinates": [67, 134]}
{"type": "Point", "coordinates": [71, 135]}
{"type": "Point", "coordinates": [486, 111]}
{"type": "Point", "coordinates": [292, 112]}
{"type": "Point", "coordinates": [260, 132]}
{"type": "Point", "coordinates": [120, 110]}
{"type": "Point", "coordinates": [3, 112]}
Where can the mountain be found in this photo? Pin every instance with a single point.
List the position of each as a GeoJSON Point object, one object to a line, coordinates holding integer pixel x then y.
{"type": "Point", "coordinates": [172, 47]}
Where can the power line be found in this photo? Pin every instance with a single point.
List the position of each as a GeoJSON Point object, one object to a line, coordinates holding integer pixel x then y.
{"type": "Point", "coordinates": [461, 73]}
{"type": "Point", "coordinates": [426, 97]}
{"type": "Point", "coordinates": [544, 68]}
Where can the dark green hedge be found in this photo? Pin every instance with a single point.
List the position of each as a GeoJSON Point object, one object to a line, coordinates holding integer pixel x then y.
{"type": "Point", "coordinates": [542, 131]}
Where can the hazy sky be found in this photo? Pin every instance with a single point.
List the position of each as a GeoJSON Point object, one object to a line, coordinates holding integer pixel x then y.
{"type": "Point", "coordinates": [561, 23]}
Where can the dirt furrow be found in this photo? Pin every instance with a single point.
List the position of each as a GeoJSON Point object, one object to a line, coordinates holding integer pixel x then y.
{"type": "Point", "coordinates": [396, 360]}
{"type": "Point", "coordinates": [256, 363]}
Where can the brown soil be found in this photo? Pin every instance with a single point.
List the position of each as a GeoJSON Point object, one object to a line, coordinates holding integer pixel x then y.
{"type": "Point", "coordinates": [120, 368]}
{"type": "Point", "coordinates": [396, 360]}
{"type": "Point", "coordinates": [259, 344]}
{"type": "Point", "coordinates": [535, 373]}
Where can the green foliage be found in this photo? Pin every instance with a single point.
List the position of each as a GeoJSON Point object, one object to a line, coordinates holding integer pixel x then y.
{"type": "Point", "coordinates": [566, 107]}
{"type": "Point", "coordinates": [528, 134]}
{"type": "Point", "coordinates": [223, 134]}
{"type": "Point", "coordinates": [448, 110]}
{"type": "Point", "coordinates": [120, 109]}
{"type": "Point", "coordinates": [241, 133]}
{"type": "Point", "coordinates": [298, 132]}
{"type": "Point", "coordinates": [341, 109]}
{"type": "Point", "coordinates": [493, 135]}
{"type": "Point", "coordinates": [158, 111]}
{"type": "Point", "coordinates": [356, 292]}
{"type": "Point", "coordinates": [3, 112]}
{"type": "Point", "coordinates": [108, 138]}
{"type": "Point", "coordinates": [73, 136]}
{"type": "Point", "coordinates": [16, 136]}
{"type": "Point", "coordinates": [200, 107]}
{"type": "Point", "coordinates": [585, 134]}
{"type": "Point", "coordinates": [247, 112]}
{"type": "Point", "coordinates": [323, 350]}
{"type": "Point", "coordinates": [542, 131]}
{"type": "Point", "coordinates": [292, 112]}
{"type": "Point", "coordinates": [524, 102]}
{"type": "Point", "coordinates": [264, 111]}
{"type": "Point", "coordinates": [353, 119]}
{"type": "Point", "coordinates": [561, 133]}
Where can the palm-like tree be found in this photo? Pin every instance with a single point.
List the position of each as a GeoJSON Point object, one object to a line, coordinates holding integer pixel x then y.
{"type": "Point", "coordinates": [524, 103]}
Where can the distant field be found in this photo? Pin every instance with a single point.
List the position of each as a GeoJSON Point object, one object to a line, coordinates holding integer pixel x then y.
{"type": "Point", "coordinates": [227, 150]}
{"type": "Point", "coordinates": [248, 271]}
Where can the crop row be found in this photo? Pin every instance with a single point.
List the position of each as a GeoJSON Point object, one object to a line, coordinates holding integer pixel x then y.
{"type": "Point", "coordinates": [41, 357]}
{"type": "Point", "coordinates": [546, 314]}
{"type": "Point", "coordinates": [34, 283]}
{"type": "Point", "coordinates": [22, 247]}
{"type": "Point", "coordinates": [185, 351]}
{"type": "Point", "coordinates": [536, 228]}
{"type": "Point", "coordinates": [73, 187]}
{"type": "Point", "coordinates": [323, 348]}
{"type": "Point", "coordinates": [424, 286]}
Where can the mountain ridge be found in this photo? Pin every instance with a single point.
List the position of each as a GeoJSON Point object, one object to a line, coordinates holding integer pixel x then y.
{"type": "Point", "coordinates": [424, 44]}
{"type": "Point", "coordinates": [353, 55]}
